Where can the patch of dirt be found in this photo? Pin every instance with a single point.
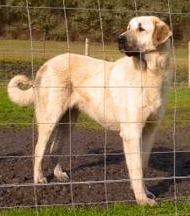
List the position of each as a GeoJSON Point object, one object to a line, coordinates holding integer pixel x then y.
{"type": "Point", "coordinates": [88, 169]}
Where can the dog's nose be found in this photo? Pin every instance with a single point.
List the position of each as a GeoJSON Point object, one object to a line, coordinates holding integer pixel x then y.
{"type": "Point", "coordinates": [122, 43]}
{"type": "Point", "coordinates": [121, 39]}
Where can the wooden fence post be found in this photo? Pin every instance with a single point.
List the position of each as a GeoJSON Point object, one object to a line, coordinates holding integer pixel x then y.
{"type": "Point", "coordinates": [87, 47]}
{"type": "Point", "coordinates": [189, 64]}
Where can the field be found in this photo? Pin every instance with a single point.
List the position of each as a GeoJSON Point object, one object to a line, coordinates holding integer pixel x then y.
{"type": "Point", "coordinates": [169, 168]}
{"type": "Point", "coordinates": [19, 49]}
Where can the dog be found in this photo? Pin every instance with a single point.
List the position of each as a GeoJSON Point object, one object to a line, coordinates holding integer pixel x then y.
{"type": "Point", "coordinates": [127, 95]}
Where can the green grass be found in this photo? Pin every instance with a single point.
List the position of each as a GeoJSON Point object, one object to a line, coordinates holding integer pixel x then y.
{"type": "Point", "coordinates": [181, 209]}
{"type": "Point", "coordinates": [179, 98]}
{"type": "Point", "coordinates": [13, 115]}
{"type": "Point", "coordinates": [178, 108]}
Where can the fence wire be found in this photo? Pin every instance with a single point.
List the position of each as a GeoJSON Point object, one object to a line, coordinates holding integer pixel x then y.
{"type": "Point", "coordinates": [96, 157]}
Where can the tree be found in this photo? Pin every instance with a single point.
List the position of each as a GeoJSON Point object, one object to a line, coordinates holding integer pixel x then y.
{"type": "Point", "coordinates": [43, 21]}
{"type": "Point", "coordinates": [83, 17]}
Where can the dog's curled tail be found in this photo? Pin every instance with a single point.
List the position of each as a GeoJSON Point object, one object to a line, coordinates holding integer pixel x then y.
{"type": "Point", "coordinates": [18, 96]}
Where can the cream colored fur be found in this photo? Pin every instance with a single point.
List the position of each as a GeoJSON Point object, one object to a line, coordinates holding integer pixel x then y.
{"type": "Point", "coordinates": [127, 95]}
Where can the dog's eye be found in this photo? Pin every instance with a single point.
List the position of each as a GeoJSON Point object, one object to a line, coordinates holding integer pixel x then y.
{"type": "Point", "coordinates": [141, 29]}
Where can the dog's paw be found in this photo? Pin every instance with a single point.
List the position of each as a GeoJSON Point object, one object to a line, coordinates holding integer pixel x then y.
{"type": "Point", "coordinates": [149, 194]}
{"type": "Point", "coordinates": [41, 180]}
{"type": "Point", "coordinates": [61, 176]}
{"type": "Point", "coordinates": [146, 201]}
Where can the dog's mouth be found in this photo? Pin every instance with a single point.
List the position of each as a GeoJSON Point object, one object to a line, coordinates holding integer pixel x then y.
{"type": "Point", "coordinates": [122, 45]}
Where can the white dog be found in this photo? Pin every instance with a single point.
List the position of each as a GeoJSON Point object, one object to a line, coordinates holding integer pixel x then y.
{"type": "Point", "coordinates": [127, 95]}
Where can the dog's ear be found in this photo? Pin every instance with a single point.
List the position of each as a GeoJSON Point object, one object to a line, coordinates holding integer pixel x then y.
{"type": "Point", "coordinates": [161, 33]}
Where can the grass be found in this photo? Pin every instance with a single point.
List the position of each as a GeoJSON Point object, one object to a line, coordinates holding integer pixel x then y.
{"type": "Point", "coordinates": [182, 97]}
{"type": "Point", "coordinates": [181, 209]}
{"type": "Point", "coordinates": [13, 115]}
{"type": "Point", "coordinates": [178, 107]}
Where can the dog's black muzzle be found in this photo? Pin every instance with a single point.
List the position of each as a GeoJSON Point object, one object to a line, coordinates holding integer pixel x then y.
{"type": "Point", "coordinates": [125, 48]}
{"type": "Point", "coordinates": [122, 43]}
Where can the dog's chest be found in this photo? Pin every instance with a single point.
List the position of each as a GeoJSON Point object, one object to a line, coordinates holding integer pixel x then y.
{"type": "Point", "coordinates": [153, 103]}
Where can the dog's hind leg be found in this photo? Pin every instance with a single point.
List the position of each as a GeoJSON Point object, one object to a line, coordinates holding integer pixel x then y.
{"type": "Point", "coordinates": [44, 132]}
{"type": "Point", "coordinates": [49, 111]}
{"type": "Point", "coordinates": [61, 137]}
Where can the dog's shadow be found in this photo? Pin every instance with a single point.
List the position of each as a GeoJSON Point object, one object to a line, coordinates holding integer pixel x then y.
{"type": "Point", "coordinates": [110, 159]}
{"type": "Point", "coordinates": [162, 159]}
{"type": "Point", "coordinates": [175, 164]}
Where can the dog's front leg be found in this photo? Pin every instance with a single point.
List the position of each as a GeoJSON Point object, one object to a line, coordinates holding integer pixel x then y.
{"type": "Point", "coordinates": [131, 134]}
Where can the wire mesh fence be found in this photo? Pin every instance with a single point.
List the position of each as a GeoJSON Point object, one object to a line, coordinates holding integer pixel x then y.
{"type": "Point", "coordinates": [92, 155]}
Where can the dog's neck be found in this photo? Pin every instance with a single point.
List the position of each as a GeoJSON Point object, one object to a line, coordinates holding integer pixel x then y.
{"type": "Point", "coordinates": [157, 62]}
{"type": "Point", "coordinates": [159, 58]}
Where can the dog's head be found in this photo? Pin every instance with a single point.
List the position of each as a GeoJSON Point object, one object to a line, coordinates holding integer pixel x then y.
{"type": "Point", "coordinates": [144, 34]}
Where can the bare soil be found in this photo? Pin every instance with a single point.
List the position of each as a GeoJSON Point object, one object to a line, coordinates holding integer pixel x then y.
{"type": "Point", "coordinates": [170, 158]}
